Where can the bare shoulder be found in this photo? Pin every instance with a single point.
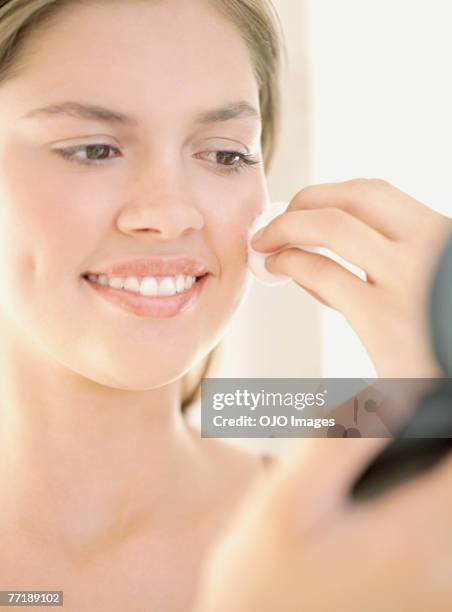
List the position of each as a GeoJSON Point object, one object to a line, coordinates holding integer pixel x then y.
{"type": "Point", "coordinates": [236, 462]}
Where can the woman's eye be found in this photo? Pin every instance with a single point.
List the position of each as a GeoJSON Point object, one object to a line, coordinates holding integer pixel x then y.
{"type": "Point", "coordinates": [95, 154]}
{"type": "Point", "coordinates": [234, 161]}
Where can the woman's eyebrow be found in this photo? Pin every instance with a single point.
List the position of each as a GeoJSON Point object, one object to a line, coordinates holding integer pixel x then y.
{"type": "Point", "coordinates": [93, 112]}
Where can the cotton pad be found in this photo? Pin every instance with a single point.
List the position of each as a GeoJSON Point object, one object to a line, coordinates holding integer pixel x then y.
{"type": "Point", "coordinates": [256, 259]}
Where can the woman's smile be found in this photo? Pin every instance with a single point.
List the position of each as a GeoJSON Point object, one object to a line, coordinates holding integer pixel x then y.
{"type": "Point", "coordinates": [154, 297]}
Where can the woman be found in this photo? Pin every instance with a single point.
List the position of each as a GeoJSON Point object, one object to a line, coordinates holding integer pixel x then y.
{"type": "Point", "coordinates": [135, 140]}
{"type": "Point", "coordinates": [112, 496]}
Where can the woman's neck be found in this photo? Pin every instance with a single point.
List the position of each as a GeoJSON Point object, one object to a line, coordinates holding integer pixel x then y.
{"type": "Point", "coordinates": [86, 463]}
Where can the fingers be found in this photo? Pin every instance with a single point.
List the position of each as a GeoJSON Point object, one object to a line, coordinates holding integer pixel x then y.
{"type": "Point", "coordinates": [336, 229]}
{"type": "Point", "coordinates": [316, 296]}
{"type": "Point", "coordinates": [381, 205]}
{"type": "Point", "coordinates": [339, 288]}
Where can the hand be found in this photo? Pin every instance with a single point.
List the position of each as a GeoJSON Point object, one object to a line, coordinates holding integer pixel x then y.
{"type": "Point", "coordinates": [393, 238]}
{"type": "Point", "coordinates": [298, 544]}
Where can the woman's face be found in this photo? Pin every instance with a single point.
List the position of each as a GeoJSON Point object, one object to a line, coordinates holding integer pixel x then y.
{"type": "Point", "coordinates": [163, 187]}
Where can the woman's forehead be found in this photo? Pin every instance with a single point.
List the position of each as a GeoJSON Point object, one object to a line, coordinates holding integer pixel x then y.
{"type": "Point", "coordinates": [138, 35]}
{"type": "Point", "coordinates": [122, 61]}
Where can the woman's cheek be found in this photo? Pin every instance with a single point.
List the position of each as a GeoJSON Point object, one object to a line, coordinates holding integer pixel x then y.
{"type": "Point", "coordinates": [230, 246]}
{"type": "Point", "coordinates": [44, 202]}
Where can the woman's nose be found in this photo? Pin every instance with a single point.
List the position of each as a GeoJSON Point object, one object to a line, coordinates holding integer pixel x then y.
{"type": "Point", "coordinates": [161, 207]}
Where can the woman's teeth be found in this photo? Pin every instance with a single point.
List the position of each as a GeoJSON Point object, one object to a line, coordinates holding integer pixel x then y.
{"type": "Point", "coordinates": [149, 285]}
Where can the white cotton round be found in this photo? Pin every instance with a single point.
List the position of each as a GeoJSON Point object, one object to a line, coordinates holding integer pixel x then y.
{"type": "Point", "coordinates": [256, 259]}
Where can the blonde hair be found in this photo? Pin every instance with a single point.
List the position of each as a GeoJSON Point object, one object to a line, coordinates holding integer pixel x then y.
{"type": "Point", "coordinates": [260, 28]}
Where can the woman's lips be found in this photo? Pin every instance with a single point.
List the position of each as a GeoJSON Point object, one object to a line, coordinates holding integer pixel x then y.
{"type": "Point", "coordinates": [151, 306]}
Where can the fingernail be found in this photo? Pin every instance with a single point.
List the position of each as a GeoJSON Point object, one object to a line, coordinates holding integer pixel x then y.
{"type": "Point", "coordinates": [271, 258]}
{"type": "Point", "coordinates": [258, 235]}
